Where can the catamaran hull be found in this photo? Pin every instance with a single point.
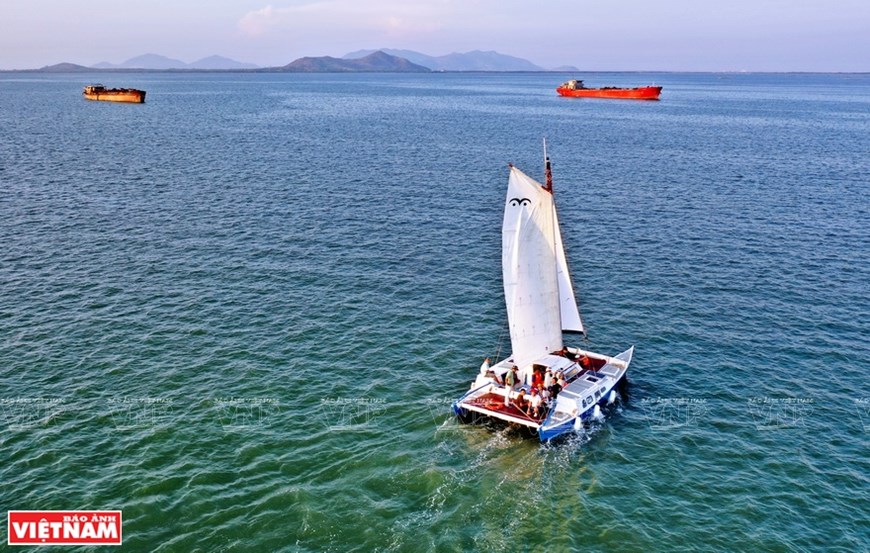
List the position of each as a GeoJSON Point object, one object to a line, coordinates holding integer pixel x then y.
{"type": "Point", "coordinates": [549, 434]}
{"type": "Point", "coordinates": [575, 404]}
{"type": "Point", "coordinates": [492, 424]}
{"type": "Point", "coordinates": [466, 416]}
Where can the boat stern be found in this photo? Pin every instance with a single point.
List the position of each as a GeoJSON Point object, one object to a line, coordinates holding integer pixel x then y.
{"type": "Point", "coordinates": [589, 389]}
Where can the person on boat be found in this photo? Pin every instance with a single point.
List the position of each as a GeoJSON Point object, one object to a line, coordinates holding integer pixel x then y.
{"type": "Point", "coordinates": [486, 371]}
{"type": "Point", "coordinates": [521, 402]}
{"type": "Point", "coordinates": [484, 366]}
{"type": "Point", "coordinates": [585, 362]}
{"type": "Point", "coordinates": [535, 404]}
{"type": "Point", "coordinates": [546, 397]}
{"type": "Point", "coordinates": [510, 378]}
{"type": "Point", "coordinates": [548, 379]}
{"type": "Point", "coordinates": [537, 378]}
{"type": "Point", "coordinates": [555, 388]}
{"type": "Point", "coordinates": [490, 374]}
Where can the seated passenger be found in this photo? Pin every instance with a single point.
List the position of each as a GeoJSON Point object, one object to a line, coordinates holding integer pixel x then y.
{"type": "Point", "coordinates": [521, 402]}
{"type": "Point", "coordinates": [484, 366]}
{"type": "Point", "coordinates": [535, 410]}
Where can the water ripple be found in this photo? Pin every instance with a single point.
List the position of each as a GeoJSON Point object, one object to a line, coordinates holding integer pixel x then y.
{"type": "Point", "coordinates": [244, 320]}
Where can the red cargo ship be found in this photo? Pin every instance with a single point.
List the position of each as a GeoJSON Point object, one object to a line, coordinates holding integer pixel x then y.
{"type": "Point", "coordinates": [576, 89]}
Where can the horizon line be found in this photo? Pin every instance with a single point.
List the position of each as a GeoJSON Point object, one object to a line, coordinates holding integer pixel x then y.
{"type": "Point", "coordinates": [271, 69]}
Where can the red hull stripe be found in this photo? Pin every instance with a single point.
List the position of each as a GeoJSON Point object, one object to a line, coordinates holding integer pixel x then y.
{"type": "Point", "coordinates": [642, 93]}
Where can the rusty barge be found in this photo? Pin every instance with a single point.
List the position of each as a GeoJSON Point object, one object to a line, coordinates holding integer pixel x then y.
{"type": "Point", "coordinates": [101, 93]}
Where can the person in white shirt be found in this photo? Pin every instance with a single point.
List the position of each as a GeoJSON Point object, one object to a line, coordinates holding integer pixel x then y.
{"type": "Point", "coordinates": [535, 404]}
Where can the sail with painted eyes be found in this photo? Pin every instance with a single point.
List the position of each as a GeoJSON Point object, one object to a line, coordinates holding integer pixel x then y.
{"type": "Point", "coordinates": [538, 291]}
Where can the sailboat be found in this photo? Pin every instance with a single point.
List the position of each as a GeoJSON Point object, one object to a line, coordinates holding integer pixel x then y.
{"type": "Point", "coordinates": [543, 385]}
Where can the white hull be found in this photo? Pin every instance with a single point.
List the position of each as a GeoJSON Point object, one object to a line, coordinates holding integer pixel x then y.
{"type": "Point", "coordinates": [586, 389]}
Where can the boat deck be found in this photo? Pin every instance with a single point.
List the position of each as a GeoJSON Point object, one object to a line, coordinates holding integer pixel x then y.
{"type": "Point", "coordinates": [590, 376]}
{"type": "Point", "coordinates": [495, 403]}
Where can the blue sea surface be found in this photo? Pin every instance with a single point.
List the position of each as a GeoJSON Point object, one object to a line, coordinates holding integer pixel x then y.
{"type": "Point", "coordinates": [239, 312]}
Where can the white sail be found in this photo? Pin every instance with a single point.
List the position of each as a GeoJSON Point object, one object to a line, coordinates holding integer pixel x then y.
{"type": "Point", "coordinates": [530, 265]}
{"type": "Point", "coordinates": [571, 320]}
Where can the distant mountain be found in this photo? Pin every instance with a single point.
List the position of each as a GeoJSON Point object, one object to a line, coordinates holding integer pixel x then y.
{"type": "Point", "coordinates": [388, 60]}
{"type": "Point", "coordinates": [64, 68]}
{"type": "Point", "coordinates": [476, 60]}
{"type": "Point", "coordinates": [158, 62]}
{"type": "Point", "coordinates": [410, 55]}
{"type": "Point", "coordinates": [219, 62]}
{"type": "Point", "coordinates": [486, 61]}
{"type": "Point", "coordinates": [375, 62]}
{"type": "Point", "coordinates": [566, 69]}
{"type": "Point", "coordinates": [145, 61]}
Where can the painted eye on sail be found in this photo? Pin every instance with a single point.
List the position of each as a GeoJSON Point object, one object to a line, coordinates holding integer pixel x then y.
{"type": "Point", "coordinates": [520, 201]}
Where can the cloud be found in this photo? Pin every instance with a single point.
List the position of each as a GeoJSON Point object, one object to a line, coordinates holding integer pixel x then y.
{"type": "Point", "coordinates": [258, 22]}
{"type": "Point", "coordinates": [386, 17]}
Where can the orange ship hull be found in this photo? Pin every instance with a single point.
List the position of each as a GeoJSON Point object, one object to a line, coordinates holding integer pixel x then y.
{"type": "Point", "coordinates": [639, 93]}
{"type": "Point", "coordinates": [103, 94]}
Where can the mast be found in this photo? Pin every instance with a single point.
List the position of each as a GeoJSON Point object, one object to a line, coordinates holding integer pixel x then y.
{"type": "Point", "coordinates": [548, 175]}
{"type": "Point", "coordinates": [569, 312]}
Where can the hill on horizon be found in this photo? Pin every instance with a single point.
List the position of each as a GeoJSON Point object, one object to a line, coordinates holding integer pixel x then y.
{"type": "Point", "coordinates": [388, 60]}
{"type": "Point", "coordinates": [377, 61]}
{"type": "Point", "coordinates": [156, 61]}
{"type": "Point", "coordinates": [64, 67]}
{"type": "Point", "coordinates": [476, 60]}
{"type": "Point", "coordinates": [219, 62]}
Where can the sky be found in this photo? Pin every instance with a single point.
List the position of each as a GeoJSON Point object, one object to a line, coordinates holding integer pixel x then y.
{"type": "Point", "coordinates": [601, 35]}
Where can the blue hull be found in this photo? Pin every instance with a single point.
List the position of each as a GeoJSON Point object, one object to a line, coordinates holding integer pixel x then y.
{"type": "Point", "coordinates": [568, 426]}
{"type": "Point", "coordinates": [585, 385]}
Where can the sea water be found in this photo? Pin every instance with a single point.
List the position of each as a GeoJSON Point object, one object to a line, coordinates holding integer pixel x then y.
{"type": "Point", "coordinates": [239, 312]}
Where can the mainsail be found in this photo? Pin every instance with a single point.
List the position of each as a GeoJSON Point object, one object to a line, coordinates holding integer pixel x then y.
{"type": "Point", "coordinates": [538, 292]}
